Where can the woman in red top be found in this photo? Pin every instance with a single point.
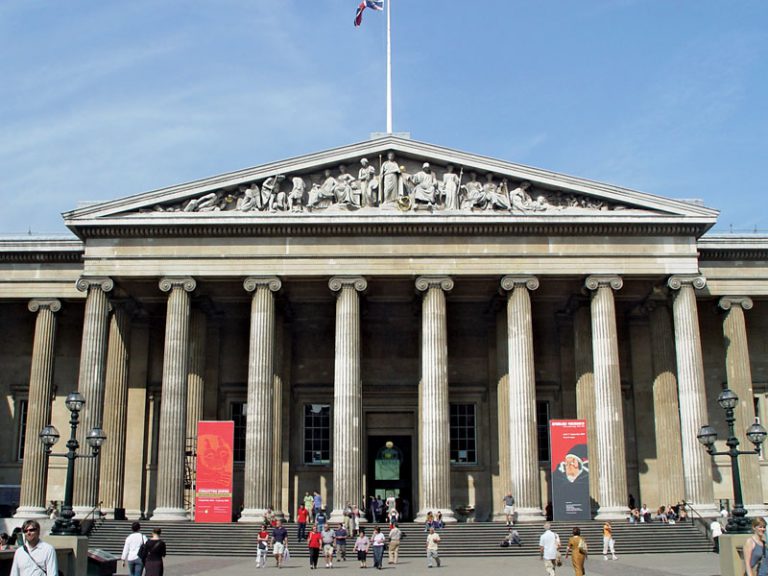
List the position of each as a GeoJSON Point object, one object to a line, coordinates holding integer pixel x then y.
{"type": "Point", "coordinates": [302, 515]}
{"type": "Point", "coordinates": [262, 545]}
{"type": "Point", "coordinates": [315, 542]}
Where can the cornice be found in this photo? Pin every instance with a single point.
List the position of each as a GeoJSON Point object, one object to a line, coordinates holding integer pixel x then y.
{"type": "Point", "coordinates": [733, 247]}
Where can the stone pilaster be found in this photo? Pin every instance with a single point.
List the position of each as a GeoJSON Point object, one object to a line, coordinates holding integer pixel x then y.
{"type": "Point", "coordinates": [665, 406]}
{"type": "Point", "coordinates": [172, 428]}
{"type": "Point", "coordinates": [523, 449]}
{"type": "Point", "coordinates": [115, 410]}
{"type": "Point", "coordinates": [91, 385]}
{"type": "Point", "coordinates": [739, 372]}
{"type": "Point", "coordinates": [609, 421]}
{"type": "Point", "coordinates": [434, 410]}
{"type": "Point", "coordinates": [697, 464]}
{"type": "Point", "coordinates": [32, 503]}
{"type": "Point", "coordinates": [347, 397]}
{"type": "Point", "coordinates": [257, 495]}
{"type": "Point", "coordinates": [585, 391]}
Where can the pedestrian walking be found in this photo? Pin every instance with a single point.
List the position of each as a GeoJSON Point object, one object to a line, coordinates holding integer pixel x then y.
{"type": "Point", "coordinates": [377, 542]}
{"type": "Point", "coordinates": [509, 508]}
{"type": "Point", "coordinates": [609, 544]}
{"type": "Point", "coordinates": [395, 535]}
{"type": "Point", "coordinates": [549, 546]}
{"type": "Point", "coordinates": [279, 542]}
{"type": "Point", "coordinates": [755, 563]}
{"type": "Point", "coordinates": [329, 540]}
{"type": "Point", "coordinates": [320, 519]}
{"type": "Point", "coordinates": [341, 535]}
{"type": "Point", "coordinates": [314, 543]}
{"type": "Point", "coordinates": [131, 550]}
{"type": "Point", "coordinates": [262, 546]}
{"type": "Point", "coordinates": [361, 547]}
{"type": "Point", "coordinates": [309, 504]}
{"type": "Point", "coordinates": [153, 565]}
{"type": "Point", "coordinates": [433, 544]}
{"type": "Point", "coordinates": [716, 530]}
{"type": "Point", "coordinates": [577, 548]}
{"type": "Point", "coordinates": [34, 557]}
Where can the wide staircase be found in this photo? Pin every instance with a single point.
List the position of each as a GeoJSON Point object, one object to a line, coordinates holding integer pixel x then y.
{"type": "Point", "coordinates": [464, 539]}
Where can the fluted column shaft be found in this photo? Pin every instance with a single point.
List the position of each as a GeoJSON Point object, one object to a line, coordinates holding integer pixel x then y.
{"type": "Point", "coordinates": [347, 397]}
{"type": "Point", "coordinates": [34, 472]}
{"type": "Point", "coordinates": [666, 407]}
{"type": "Point", "coordinates": [609, 420]}
{"type": "Point", "coordinates": [115, 410]}
{"type": "Point", "coordinates": [585, 390]}
{"type": "Point", "coordinates": [434, 420]}
{"type": "Point", "coordinates": [523, 446]}
{"type": "Point", "coordinates": [697, 464]}
{"type": "Point", "coordinates": [739, 373]}
{"type": "Point", "coordinates": [198, 327]}
{"type": "Point", "coordinates": [257, 494]}
{"type": "Point", "coordinates": [172, 427]}
{"type": "Point", "coordinates": [278, 394]}
{"type": "Point", "coordinates": [91, 385]}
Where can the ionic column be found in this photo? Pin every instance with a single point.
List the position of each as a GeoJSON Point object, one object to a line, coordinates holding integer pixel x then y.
{"type": "Point", "coordinates": [666, 408]}
{"type": "Point", "coordinates": [347, 396]}
{"type": "Point", "coordinates": [609, 420]}
{"type": "Point", "coordinates": [739, 372]}
{"type": "Point", "coordinates": [257, 493]}
{"type": "Point", "coordinates": [115, 410]}
{"type": "Point", "coordinates": [585, 391]}
{"type": "Point", "coordinates": [279, 396]}
{"type": "Point", "coordinates": [697, 464]}
{"type": "Point", "coordinates": [198, 328]}
{"type": "Point", "coordinates": [91, 385]}
{"type": "Point", "coordinates": [434, 411]}
{"type": "Point", "coordinates": [172, 437]}
{"type": "Point", "coordinates": [34, 473]}
{"type": "Point", "coordinates": [523, 449]}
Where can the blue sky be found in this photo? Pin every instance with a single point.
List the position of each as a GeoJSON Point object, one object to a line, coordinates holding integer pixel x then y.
{"type": "Point", "coordinates": [100, 100]}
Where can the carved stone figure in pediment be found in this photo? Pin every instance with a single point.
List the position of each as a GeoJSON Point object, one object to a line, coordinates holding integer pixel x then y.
{"type": "Point", "coordinates": [497, 194]}
{"type": "Point", "coordinates": [521, 199]}
{"type": "Point", "coordinates": [391, 185]}
{"type": "Point", "coordinates": [321, 195]}
{"type": "Point", "coordinates": [474, 195]}
{"type": "Point", "coordinates": [369, 184]}
{"type": "Point", "coordinates": [271, 186]}
{"type": "Point", "coordinates": [347, 190]}
{"type": "Point", "coordinates": [424, 186]}
{"type": "Point", "coordinates": [296, 195]}
{"type": "Point", "coordinates": [449, 188]}
{"type": "Point", "coordinates": [251, 198]}
{"type": "Point", "coordinates": [211, 202]}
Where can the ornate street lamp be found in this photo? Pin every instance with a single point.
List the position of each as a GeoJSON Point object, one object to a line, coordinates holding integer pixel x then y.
{"type": "Point", "coordinates": [737, 523]}
{"type": "Point", "coordinates": [49, 436]}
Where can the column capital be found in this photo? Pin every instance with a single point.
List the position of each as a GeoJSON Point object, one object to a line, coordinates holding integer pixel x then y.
{"type": "Point", "coordinates": [169, 282]}
{"type": "Point", "coordinates": [728, 302]}
{"type": "Point", "coordinates": [679, 280]}
{"type": "Point", "coordinates": [51, 304]}
{"type": "Point", "coordinates": [597, 280]}
{"type": "Point", "coordinates": [336, 283]}
{"type": "Point", "coordinates": [84, 283]}
{"type": "Point", "coordinates": [424, 283]}
{"type": "Point", "coordinates": [253, 282]}
{"type": "Point", "coordinates": [510, 282]}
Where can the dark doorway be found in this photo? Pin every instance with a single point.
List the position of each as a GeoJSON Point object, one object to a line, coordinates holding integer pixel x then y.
{"type": "Point", "coordinates": [389, 471]}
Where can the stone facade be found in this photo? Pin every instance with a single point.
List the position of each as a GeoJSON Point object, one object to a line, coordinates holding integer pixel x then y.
{"type": "Point", "coordinates": [427, 305]}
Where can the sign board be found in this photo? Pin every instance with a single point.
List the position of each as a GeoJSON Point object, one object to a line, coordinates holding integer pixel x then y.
{"type": "Point", "coordinates": [570, 470]}
{"type": "Point", "coordinates": [215, 456]}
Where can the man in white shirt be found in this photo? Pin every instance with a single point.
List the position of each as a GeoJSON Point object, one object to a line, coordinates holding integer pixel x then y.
{"type": "Point", "coordinates": [716, 531]}
{"type": "Point", "coordinates": [131, 550]}
{"type": "Point", "coordinates": [549, 544]}
{"type": "Point", "coordinates": [35, 557]}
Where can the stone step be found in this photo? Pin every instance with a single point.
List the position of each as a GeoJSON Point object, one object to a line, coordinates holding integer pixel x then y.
{"type": "Point", "coordinates": [463, 539]}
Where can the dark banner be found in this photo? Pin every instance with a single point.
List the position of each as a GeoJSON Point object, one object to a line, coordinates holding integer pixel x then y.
{"type": "Point", "coordinates": [570, 469]}
{"type": "Point", "coordinates": [213, 494]}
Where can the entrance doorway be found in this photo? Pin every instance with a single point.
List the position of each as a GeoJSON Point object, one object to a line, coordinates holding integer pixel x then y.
{"type": "Point", "coordinates": [390, 472]}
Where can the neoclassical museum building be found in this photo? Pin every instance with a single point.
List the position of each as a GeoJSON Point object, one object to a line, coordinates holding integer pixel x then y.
{"type": "Point", "coordinates": [385, 301]}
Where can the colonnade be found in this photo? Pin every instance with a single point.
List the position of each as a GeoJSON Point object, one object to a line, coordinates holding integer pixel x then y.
{"type": "Point", "coordinates": [679, 396]}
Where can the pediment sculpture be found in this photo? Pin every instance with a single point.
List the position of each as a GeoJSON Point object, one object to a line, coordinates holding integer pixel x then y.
{"type": "Point", "coordinates": [406, 186]}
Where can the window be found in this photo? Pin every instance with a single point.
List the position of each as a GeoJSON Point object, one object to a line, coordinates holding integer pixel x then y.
{"type": "Point", "coordinates": [463, 434]}
{"type": "Point", "coordinates": [22, 430]}
{"type": "Point", "coordinates": [542, 429]}
{"type": "Point", "coordinates": [238, 411]}
{"type": "Point", "coordinates": [317, 434]}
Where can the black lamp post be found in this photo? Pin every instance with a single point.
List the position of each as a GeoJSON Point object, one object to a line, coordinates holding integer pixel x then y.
{"type": "Point", "coordinates": [64, 524]}
{"type": "Point", "coordinates": [737, 523]}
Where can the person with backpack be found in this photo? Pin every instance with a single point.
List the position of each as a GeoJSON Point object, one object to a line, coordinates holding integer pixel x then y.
{"type": "Point", "coordinates": [131, 550]}
{"type": "Point", "coordinates": [152, 553]}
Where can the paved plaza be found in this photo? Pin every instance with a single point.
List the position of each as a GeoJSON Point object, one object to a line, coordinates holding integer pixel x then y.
{"type": "Point", "coordinates": [628, 565]}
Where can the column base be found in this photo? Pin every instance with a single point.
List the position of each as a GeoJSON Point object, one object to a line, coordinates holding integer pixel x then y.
{"type": "Point", "coordinates": [448, 516]}
{"type": "Point", "coordinates": [252, 515]}
{"type": "Point", "coordinates": [337, 516]}
{"type": "Point", "coordinates": [612, 513]}
{"type": "Point", "coordinates": [528, 515]}
{"type": "Point", "coordinates": [30, 512]}
{"type": "Point", "coordinates": [169, 515]}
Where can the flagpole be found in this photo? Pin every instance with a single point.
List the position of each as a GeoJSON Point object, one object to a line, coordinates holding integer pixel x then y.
{"type": "Point", "coordinates": [389, 66]}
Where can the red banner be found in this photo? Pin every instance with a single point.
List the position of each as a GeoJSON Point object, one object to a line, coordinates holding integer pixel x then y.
{"type": "Point", "coordinates": [213, 491]}
{"type": "Point", "coordinates": [570, 470]}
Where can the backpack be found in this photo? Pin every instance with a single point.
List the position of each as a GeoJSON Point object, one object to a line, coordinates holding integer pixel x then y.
{"type": "Point", "coordinates": [143, 552]}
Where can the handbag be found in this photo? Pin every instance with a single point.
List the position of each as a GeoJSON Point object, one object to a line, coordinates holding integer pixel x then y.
{"type": "Point", "coordinates": [583, 546]}
{"type": "Point", "coordinates": [558, 560]}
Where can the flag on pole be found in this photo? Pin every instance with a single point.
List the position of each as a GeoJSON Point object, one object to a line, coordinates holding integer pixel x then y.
{"type": "Point", "coordinates": [372, 4]}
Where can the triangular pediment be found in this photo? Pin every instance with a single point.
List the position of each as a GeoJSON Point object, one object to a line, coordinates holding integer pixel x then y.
{"type": "Point", "coordinates": [399, 179]}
